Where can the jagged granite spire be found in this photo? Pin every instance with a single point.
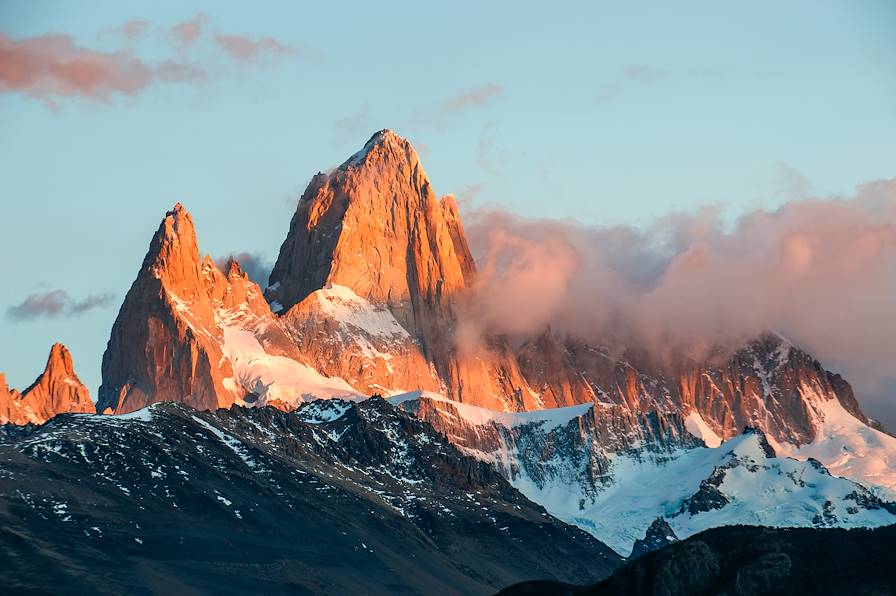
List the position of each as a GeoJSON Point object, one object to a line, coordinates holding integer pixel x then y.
{"type": "Point", "coordinates": [55, 391]}
{"type": "Point", "coordinates": [375, 226]}
{"type": "Point", "coordinates": [658, 535]}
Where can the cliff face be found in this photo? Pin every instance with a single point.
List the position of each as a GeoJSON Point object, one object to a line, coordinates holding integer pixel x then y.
{"type": "Point", "coordinates": [375, 227]}
{"type": "Point", "coordinates": [768, 384]}
{"type": "Point", "coordinates": [182, 327]}
{"type": "Point", "coordinates": [364, 299]}
{"type": "Point", "coordinates": [57, 390]}
{"type": "Point", "coordinates": [612, 471]}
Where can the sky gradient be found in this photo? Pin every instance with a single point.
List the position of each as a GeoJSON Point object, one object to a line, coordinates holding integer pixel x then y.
{"type": "Point", "coordinates": [591, 111]}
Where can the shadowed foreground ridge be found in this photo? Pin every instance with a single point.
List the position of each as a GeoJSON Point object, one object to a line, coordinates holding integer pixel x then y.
{"type": "Point", "coordinates": [337, 497]}
{"type": "Point", "coordinates": [743, 561]}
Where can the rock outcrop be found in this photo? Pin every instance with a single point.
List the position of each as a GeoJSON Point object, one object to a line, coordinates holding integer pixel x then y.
{"type": "Point", "coordinates": [57, 390]}
{"type": "Point", "coordinates": [658, 535]}
{"type": "Point", "coordinates": [375, 227]}
{"type": "Point", "coordinates": [768, 383]}
{"type": "Point", "coordinates": [612, 471]}
{"type": "Point", "coordinates": [188, 332]}
{"type": "Point", "coordinates": [365, 298]}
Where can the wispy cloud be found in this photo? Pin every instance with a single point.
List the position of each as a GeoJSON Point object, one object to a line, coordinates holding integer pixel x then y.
{"type": "Point", "coordinates": [789, 182]}
{"type": "Point", "coordinates": [188, 32]}
{"type": "Point", "coordinates": [485, 154]}
{"type": "Point", "coordinates": [444, 113]}
{"type": "Point", "coordinates": [822, 271]}
{"type": "Point", "coordinates": [130, 31]}
{"type": "Point", "coordinates": [355, 124]}
{"type": "Point", "coordinates": [248, 50]}
{"type": "Point", "coordinates": [51, 67]}
{"type": "Point", "coordinates": [256, 266]}
{"type": "Point", "coordinates": [55, 303]}
{"type": "Point", "coordinates": [466, 195]}
{"type": "Point", "coordinates": [476, 97]}
{"type": "Point", "coordinates": [631, 75]}
{"type": "Point", "coordinates": [55, 67]}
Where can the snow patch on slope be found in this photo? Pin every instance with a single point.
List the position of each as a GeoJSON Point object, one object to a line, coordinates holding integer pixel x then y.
{"type": "Point", "coordinates": [549, 418]}
{"type": "Point", "coordinates": [695, 425]}
{"type": "Point", "coordinates": [847, 447]}
{"type": "Point", "coordinates": [761, 491]}
{"type": "Point", "coordinates": [318, 412]}
{"type": "Point", "coordinates": [141, 415]}
{"type": "Point", "coordinates": [277, 377]}
{"type": "Point", "coordinates": [354, 312]}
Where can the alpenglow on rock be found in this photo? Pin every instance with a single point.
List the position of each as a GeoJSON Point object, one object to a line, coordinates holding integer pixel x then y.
{"type": "Point", "coordinates": [183, 330]}
{"type": "Point", "coordinates": [375, 226]}
{"type": "Point", "coordinates": [364, 299]}
{"type": "Point", "coordinates": [57, 390]}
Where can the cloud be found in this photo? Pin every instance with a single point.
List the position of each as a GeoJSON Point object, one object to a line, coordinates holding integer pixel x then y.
{"type": "Point", "coordinates": [476, 97]}
{"type": "Point", "coordinates": [633, 74]}
{"type": "Point", "coordinates": [442, 114]}
{"type": "Point", "coordinates": [247, 50]}
{"type": "Point", "coordinates": [790, 183]}
{"type": "Point", "coordinates": [466, 195]}
{"type": "Point", "coordinates": [355, 124]}
{"type": "Point", "coordinates": [485, 157]}
{"type": "Point", "coordinates": [256, 266]}
{"type": "Point", "coordinates": [54, 66]}
{"type": "Point", "coordinates": [821, 271]}
{"type": "Point", "coordinates": [55, 303]}
{"type": "Point", "coordinates": [186, 33]}
{"type": "Point", "coordinates": [130, 31]}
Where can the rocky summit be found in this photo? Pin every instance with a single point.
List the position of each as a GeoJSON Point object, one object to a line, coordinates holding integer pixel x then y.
{"type": "Point", "coordinates": [364, 299]}
{"type": "Point", "coordinates": [56, 390]}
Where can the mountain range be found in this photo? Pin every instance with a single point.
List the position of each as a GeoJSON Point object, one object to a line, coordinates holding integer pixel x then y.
{"type": "Point", "coordinates": [557, 452]}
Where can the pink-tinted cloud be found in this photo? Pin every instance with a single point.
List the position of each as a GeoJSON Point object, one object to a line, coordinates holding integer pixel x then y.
{"type": "Point", "coordinates": [131, 31]}
{"type": "Point", "coordinates": [466, 195]}
{"type": "Point", "coordinates": [444, 113]}
{"type": "Point", "coordinates": [53, 66]}
{"type": "Point", "coordinates": [249, 50]}
{"type": "Point", "coordinates": [189, 32]}
{"type": "Point", "coordinates": [476, 97]}
{"type": "Point", "coordinates": [820, 271]}
{"type": "Point", "coordinates": [56, 303]}
{"type": "Point", "coordinates": [178, 71]}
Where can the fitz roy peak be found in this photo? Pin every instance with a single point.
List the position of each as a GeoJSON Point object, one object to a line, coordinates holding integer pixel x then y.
{"type": "Point", "coordinates": [364, 299]}
{"type": "Point", "coordinates": [375, 230]}
{"type": "Point", "coordinates": [363, 291]}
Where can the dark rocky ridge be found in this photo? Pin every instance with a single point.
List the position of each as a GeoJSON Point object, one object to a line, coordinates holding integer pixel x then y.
{"type": "Point", "coordinates": [336, 497]}
{"type": "Point", "coordinates": [658, 535]}
{"type": "Point", "coordinates": [747, 561]}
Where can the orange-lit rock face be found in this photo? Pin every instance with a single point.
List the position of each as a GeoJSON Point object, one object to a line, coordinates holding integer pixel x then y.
{"type": "Point", "coordinates": [57, 390]}
{"type": "Point", "coordinates": [366, 291]}
{"type": "Point", "coordinates": [767, 384]}
{"type": "Point", "coordinates": [168, 341]}
{"type": "Point", "coordinates": [375, 226]}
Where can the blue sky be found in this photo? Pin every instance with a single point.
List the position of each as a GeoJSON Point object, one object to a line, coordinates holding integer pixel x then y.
{"type": "Point", "coordinates": [605, 113]}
